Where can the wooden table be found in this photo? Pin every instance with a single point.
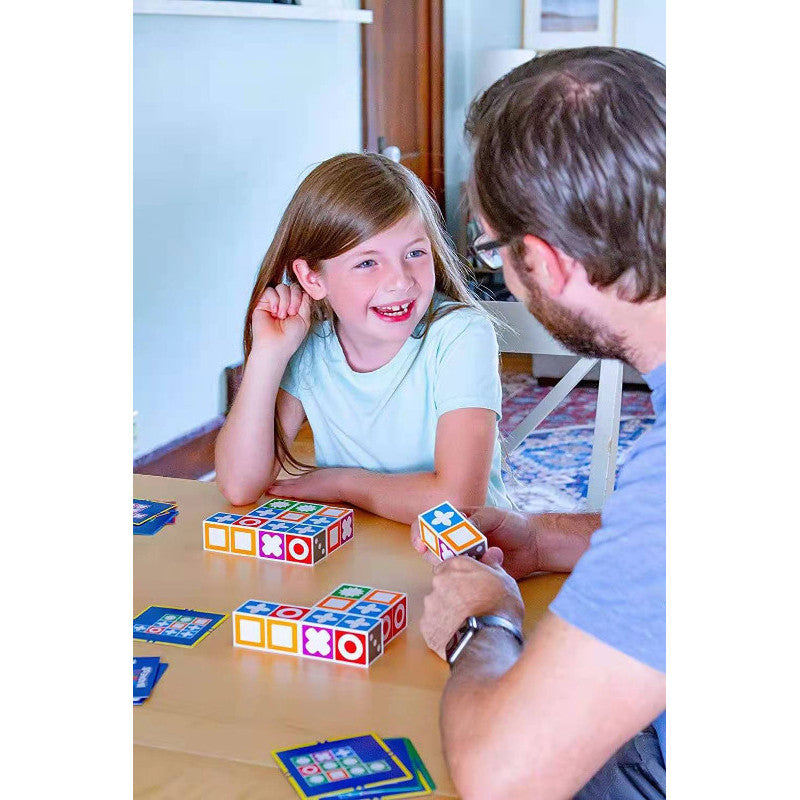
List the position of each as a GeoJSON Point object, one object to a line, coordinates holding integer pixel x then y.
{"type": "Point", "coordinates": [210, 726]}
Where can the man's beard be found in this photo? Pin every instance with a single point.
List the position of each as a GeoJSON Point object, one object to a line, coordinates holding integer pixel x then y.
{"type": "Point", "coordinates": [571, 329]}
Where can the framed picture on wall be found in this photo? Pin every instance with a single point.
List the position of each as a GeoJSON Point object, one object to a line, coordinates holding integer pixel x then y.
{"type": "Point", "coordinates": [551, 24]}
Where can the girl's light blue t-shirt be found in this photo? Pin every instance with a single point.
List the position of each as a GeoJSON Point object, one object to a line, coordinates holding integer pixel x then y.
{"type": "Point", "coordinates": [385, 420]}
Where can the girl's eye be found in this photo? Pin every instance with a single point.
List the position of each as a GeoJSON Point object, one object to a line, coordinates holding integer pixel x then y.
{"type": "Point", "coordinates": [370, 262]}
{"type": "Point", "coordinates": [416, 253]}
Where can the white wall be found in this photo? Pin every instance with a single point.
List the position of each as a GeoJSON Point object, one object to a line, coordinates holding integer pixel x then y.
{"type": "Point", "coordinates": [228, 115]}
{"type": "Point", "coordinates": [471, 26]}
{"type": "Point", "coordinates": [642, 25]}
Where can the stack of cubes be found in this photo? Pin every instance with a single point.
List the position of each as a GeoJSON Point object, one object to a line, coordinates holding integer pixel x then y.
{"type": "Point", "coordinates": [292, 531]}
{"type": "Point", "coordinates": [352, 625]}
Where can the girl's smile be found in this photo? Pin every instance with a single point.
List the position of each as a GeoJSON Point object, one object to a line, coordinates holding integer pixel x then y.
{"type": "Point", "coordinates": [397, 312]}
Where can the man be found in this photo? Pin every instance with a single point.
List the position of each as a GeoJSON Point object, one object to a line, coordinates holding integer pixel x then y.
{"type": "Point", "coordinates": [568, 181]}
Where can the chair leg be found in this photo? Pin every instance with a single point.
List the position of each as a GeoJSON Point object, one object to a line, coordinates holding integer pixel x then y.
{"type": "Point", "coordinates": [555, 396]}
{"type": "Point", "coordinates": [606, 435]}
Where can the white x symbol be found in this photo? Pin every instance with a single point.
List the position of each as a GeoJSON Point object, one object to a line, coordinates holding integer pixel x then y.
{"type": "Point", "coordinates": [442, 518]}
{"type": "Point", "coordinates": [318, 642]}
{"type": "Point", "coordinates": [271, 545]}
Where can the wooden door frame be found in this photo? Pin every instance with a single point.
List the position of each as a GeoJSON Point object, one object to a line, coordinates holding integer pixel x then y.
{"type": "Point", "coordinates": [430, 24]}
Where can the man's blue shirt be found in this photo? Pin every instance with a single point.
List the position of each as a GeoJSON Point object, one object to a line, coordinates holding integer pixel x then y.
{"type": "Point", "coordinates": [617, 591]}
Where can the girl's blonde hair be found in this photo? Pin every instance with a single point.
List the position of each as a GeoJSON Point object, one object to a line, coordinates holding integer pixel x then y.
{"type": "Point", "coordinates": [340, 204]}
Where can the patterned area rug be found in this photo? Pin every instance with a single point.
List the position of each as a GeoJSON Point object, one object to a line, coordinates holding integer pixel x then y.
{"type": "Point", "coordinates": [549, 471]}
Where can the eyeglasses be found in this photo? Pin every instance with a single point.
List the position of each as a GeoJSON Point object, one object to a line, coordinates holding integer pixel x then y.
{"type": "Point", "coordinates": [487, 251]}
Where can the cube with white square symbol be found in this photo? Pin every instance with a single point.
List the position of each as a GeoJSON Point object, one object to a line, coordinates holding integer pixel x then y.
{"type": "Point", "coordinates": [290, 531]}
{"type": "Point", "coordinates": [217, 531]}
{"type": "Point", "coordinates": [244, 538]}
{"type": "Point", "coordinates": [249, 624]}
{"type": "Point", "coordinates": [394, 606]}
{"type": "Point", "coordinates": [447, 533]}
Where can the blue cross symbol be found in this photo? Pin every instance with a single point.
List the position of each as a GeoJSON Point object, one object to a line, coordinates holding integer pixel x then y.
{"type": "Point", "coordinates": [326, 617]}
{"type": "Point", "coordinates": [357, 622]}
{"type": "Point", "coordinates": [368, 608]}
{"type": "Point", "coordinates": [255, 609]}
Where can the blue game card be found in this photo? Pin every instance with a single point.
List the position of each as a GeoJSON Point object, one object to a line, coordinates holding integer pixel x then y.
{"type": "Point", "coordinates": [327, 769]}
{"type": "Point", "coordinates": [144, 510]}
{"type": "Point", "coordinates": [162, 668]}
{"type": "Point", "coordinates": [145, 670]}
{"type": "Point", "coordinates": [178, 626]}
{"type": "Point", "coordinates": [155, 524]}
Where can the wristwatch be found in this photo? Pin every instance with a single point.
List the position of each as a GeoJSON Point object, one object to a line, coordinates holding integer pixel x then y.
{"type": "Point", "coordinates": [463, 636]}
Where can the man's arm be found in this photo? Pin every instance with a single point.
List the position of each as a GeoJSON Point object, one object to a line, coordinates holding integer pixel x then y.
{"type": "Point", "coordinates": [560, 540]}
{"type": "Point", "coordinates": [550, 715]}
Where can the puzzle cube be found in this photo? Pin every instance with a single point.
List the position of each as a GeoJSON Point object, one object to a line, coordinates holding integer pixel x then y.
{"type": "Point", "coordinates": [390, 608]}
{"type": "Point", "coordinates": [275, 627]}
{"type": "Point", "coordinates": [334, 630]}
{"type": "Point", "coordinates": [447, 533]}
{"type": "Point", "coordinates": [281, 530]}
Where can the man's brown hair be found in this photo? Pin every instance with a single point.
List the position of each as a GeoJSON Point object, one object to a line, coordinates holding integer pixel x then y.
{"type": "Point", "coordinates": [570, 147]}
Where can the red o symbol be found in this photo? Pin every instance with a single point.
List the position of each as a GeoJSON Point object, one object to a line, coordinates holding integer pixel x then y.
{"type": "Point", "coordinates": [350, 647]}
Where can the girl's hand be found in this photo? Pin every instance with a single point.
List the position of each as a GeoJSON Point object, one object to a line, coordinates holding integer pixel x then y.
{"type": "Point", "coordinates": [323, 485]}
{"type": "Point", "coordinates": [281, 318]}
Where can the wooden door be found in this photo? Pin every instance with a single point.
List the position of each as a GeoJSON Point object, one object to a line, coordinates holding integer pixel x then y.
{"type": "Point", "coordinates": [403, 85]}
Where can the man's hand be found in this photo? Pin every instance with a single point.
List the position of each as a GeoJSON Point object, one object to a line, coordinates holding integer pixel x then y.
{"type": "Point", "coordinates": [322, 485]}
{"type": "Point", "coordinates": [511, 531]}
{"type": "Point", "coordinates": [463, 587]}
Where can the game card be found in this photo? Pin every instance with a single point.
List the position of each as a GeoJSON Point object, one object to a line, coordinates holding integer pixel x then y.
{"type": "Point", "coordinates": [181, 627]}
{"type": "Point", "coordinates": [145, 670]}
{"type": "Point", "coordinates": [329, 768]}
{"type": "Point", "coordinates": [155, 524]}
{"type": "Point", "coordinates": [160, 670]}
{"type": "Point", "coordinates": [144, 510]}
{"type": "Point", "coordinates": [420, 785]}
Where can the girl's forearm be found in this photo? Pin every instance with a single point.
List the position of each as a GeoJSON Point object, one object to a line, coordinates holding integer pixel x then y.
{"type": "Point", "coordinates": [244, 453]}
{"type": "Point", "coordinates": [402, 496]}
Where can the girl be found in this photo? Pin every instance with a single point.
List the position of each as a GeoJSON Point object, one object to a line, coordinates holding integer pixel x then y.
{"type": "Point", "coordinates": [361, 322]}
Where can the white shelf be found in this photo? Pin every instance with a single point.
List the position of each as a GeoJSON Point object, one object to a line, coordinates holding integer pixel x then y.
{"type": "Point", "coordinates": [230, 8]}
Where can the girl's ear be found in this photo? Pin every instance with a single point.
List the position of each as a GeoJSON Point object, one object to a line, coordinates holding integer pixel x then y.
{"type": "Point", "coordinates": [309, 279]}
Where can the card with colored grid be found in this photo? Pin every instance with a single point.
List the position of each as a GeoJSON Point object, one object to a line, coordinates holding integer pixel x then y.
{"type": "Point", "coordinates": [329, 768]}
{"type": "Point", "coordinates": [178, 626]}
{"type": "Point", "coordinates": [421, 783]}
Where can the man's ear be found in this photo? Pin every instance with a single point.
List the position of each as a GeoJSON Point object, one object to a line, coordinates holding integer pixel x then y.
{"type": "Point", "coordinates": [545, 265]}
{"type": "Point", "coordinates": [309, 279]}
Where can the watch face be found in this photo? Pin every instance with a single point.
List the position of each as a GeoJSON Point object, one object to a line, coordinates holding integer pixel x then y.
{"type": "Point", "coordinates": [451, 646]}
{"type": "Point", "coordinates": [460, 640]}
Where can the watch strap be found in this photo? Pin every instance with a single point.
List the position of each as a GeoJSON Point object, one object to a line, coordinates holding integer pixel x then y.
{"type": "Point", "coordinates": [495, 621]}
{"type": "Point", "coordinates": [464, 635]}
